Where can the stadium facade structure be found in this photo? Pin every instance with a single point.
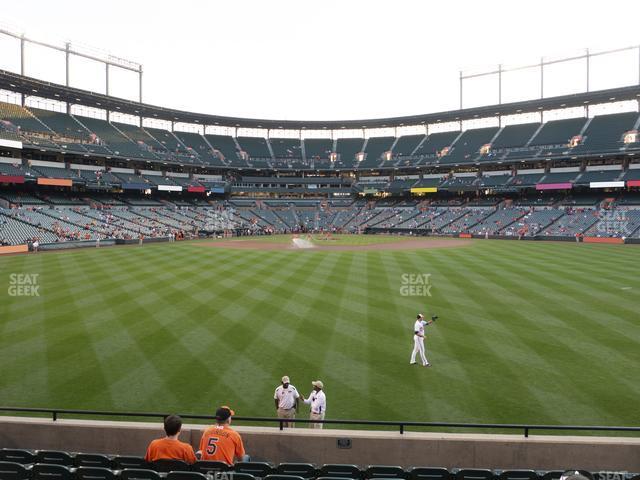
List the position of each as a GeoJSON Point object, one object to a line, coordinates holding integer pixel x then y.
{"type": "Point", "coordinates": [557, 179]}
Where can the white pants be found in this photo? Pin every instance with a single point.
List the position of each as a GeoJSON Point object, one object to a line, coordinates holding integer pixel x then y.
{"type": "Point", "coordinates": [418, 346]}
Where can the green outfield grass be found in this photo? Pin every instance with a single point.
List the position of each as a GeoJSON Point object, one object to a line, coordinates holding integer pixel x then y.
{"type": "Point", "coordinates": [535, 332]}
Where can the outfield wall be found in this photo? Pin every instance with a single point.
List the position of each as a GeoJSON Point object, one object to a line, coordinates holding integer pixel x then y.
{"type": "Point", "coordinates": [320, 446]}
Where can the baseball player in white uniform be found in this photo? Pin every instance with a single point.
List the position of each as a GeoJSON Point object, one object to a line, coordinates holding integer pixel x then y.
{"type": "Point", "coordinates": [418, 340]}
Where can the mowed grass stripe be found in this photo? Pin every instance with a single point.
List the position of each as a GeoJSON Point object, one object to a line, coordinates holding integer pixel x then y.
{"type": "Point", "coordinates": [530, 331]}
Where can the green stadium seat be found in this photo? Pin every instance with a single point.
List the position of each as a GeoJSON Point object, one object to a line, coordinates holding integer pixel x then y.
{"type": "Point", "coordinates": [13, 471]}
{"type": "Point", "coordinates": [304, 470]}
{"type": "Point", "coordinates": [185, 476]}
{"type": "Point", "coordinates": [428, 473]}
{"type": "Point", "coordinates": [209, 466]}
{"type": "Point", "coordinates": [384, 471]}
{"type": "Point", "coordinates": [94, 473]}
{"type": "Point", "coordinates": [170, 465]}
{"type": "Point", "coordinates": [518, 475]}
{"type": "Point", "coordinates": [340, 470]}
{"type": "Point", "coordinates": [46, 471]}
{"type": "Point", "coordinates": [23, 457]}
{"type": "Point", "coordinates": [336, 478]}
{"type": "Point", "coordinates": [257, 469]}
{"type": "Point", "coordinates": [91, 460]}
{"type": "Point", "coordinates": [276, 476]}
{"type": "Point", "coordinates": [53, 457]}
{"type": "Point", "coordinates": [139, 474]}
{"type": "Point", "coordinates": [122, 462]}
{"type": "Point", "coordinates": [474, 474]}
{"type": "Point", "coordinates": [243, 476]}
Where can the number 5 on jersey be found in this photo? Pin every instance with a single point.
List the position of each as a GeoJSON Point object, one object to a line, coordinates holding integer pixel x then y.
{"type": "Point", "coordinates": [211, 445]}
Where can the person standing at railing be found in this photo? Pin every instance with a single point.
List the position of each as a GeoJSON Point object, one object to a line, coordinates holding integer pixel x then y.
{"type": "Point", "coordinates": [318, 401]}
{"type": "Point", "coordinates": [286, 399]}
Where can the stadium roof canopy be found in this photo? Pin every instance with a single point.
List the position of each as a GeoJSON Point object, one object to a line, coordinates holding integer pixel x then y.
{"type": "Point", "coordinates": [34, 87]}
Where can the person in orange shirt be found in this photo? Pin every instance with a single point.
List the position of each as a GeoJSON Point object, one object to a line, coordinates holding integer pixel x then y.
{"type": "Point", "coordinates": [220, 442]}
{"type": "Point", "coordinates": [170, 447]}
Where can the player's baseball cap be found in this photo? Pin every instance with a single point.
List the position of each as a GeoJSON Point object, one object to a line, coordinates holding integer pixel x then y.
{"type": "Point", "coordinates": [318, 383]}
{"type": "Point", "coordinates": [223, 413]}
{"type": "Point", "coordinates": [285, 379]}
{"type": "Point", "coordinates": [420, 315]}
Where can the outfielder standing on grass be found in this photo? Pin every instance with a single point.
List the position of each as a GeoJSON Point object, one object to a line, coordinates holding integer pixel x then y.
{"type": "Point", "coordinates": [418, 340]}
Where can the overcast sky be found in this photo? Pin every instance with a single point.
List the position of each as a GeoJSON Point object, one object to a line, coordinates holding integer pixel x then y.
{"type": "Point", "coordinates": [329, 59]}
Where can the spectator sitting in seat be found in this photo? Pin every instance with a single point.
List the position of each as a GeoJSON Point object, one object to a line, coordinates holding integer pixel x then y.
{"type": "Point", "coordinates": [220, 442]}
{"type": "Point", "coordinates": [170, 448]}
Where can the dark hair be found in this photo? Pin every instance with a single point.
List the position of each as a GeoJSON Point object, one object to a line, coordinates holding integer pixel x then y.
{"type": "Point", "coordinates": [172, 425]}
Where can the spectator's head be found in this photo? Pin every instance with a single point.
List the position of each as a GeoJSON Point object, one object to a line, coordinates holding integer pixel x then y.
{"type": "Point", "coordinates": [172, 425]}
{"type": "Point", "coordinates": [224, 414]}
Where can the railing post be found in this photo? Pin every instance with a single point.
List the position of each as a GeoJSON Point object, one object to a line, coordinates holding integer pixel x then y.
{"type": "Point", "coordinates": [402, 429]}
{"type": "Point", "coordinates": [55, 416]}
{"type": "Point", "coordinates": [281, 425]}
{"type": "Point", "coordinates": [526, 432]}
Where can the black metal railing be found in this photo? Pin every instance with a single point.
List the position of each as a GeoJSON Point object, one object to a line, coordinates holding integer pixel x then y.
{"type": "Point", "coordinates": [56, 414]}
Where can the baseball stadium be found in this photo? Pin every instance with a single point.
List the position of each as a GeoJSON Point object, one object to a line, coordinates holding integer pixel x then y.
{"type": "Point", "coordinates": [164, 265]}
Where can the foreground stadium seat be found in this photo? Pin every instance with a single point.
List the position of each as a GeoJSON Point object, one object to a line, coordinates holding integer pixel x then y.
{"type": "Point", "coordinates": [340, 470]}
{"type": "Point", "coordinates": [185, 476]}
{"type": "Point", "coordinates": [47, 471]}
{"type": "Point", "coordinates": [13, 471]}
{"type": "Point", "coordinates": [24, 457]}
{"type": "Point", "coordinates": [54, 457]}
{"type": "Point", "coordinates": [427, 473]}
{"type": "Point", "coordinates": [276, 476]}
{"type": "Point", "coordinates": [91, 460]}
{"type": "Point", "coordinates": [139, 474]}
{"type": "Point", "coordinates": [209, 466]}
{"type": "Point", "coordinates": [518, 475]}
{"type": "Point", "coordinates": [304, 470]}
{"type": "Point", "coordinates": [257, 469]}
{"type": "Point", "coordinates": [94, 473]}
{"type": "Point", "coordinates": [121, 462]}
{"type": "Point", "coordinates": [474, 474]}
{"type": "Point", "coordinates": [384, 471]}
{"type": "Point", "coordinates": [168, 465]}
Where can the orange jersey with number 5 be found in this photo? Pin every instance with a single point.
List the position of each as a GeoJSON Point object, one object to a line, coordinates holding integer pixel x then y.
{"type": "Point", "coordinates": [222, 443]}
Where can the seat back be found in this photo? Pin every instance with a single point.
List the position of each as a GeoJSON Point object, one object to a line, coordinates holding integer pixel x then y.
{"type": "Point", "coordinates": [13, 471]}
{"type": "Point", "coordinates": [122, 462]}
{"type": "Point", "coordinates": [170, 465]}
{"type": "Point", "coordinates": [518, 475]}
{"type": "Point", "coordinates": [91, 460]}
{"type": "Point", "coordinates": [54, 457]}
{"type": "Point", "coordinates": [257, 469]}
{"type": "Point", "coordinates": [304, 470]}
{"type": "Point", "coordinates": [16, 455]}
{"type": "Point", "coordinates": [474, 474]}
{"type": "Point", "coordinates": [139, 474]}
{"type": "Point", "coordinates": [429, 473]}
{"type": "Point", "coordinates": [277, 476]}
{"type": "Point", "coordinates": [47, 471]}
{"type": "Point", "coordinates": [384, 471]}
{"type": "Point", "coordinates": [94, 473]}
{"type": "Point", "coordinates": [209, 466]}
{"type": "Point", "coordinates": [340, 470]}
{"type": "Point", "coordinates": [185, 476]}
